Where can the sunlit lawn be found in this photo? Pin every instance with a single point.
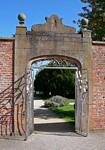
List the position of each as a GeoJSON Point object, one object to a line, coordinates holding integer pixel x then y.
{"type": "Point", "coordinates": [66, 112]}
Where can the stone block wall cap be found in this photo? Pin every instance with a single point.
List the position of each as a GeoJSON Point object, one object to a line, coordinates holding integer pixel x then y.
{"type": "Point", "coordinates": [98, 42]}
{"type": "Point", "coordinates": [21, 26]}
{"type": "Point", "coordinates": [7, 38]}
{"type": "Point", "coordinates": [86, 30]}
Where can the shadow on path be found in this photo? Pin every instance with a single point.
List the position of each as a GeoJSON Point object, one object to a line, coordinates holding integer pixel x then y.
{"type": "Point", "coordinates": [47, 122]}
{"type": "Point", "coordinates": [61, 127]}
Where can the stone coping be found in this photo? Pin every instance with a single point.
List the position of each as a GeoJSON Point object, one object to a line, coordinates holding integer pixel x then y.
{"type": "Point", "coordinates": [98, 42]}
{"type": "Point", "coordinates": [7, 38]}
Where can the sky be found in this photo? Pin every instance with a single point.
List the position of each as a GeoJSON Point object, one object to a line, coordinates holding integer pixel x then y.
{"type": "Point", "coordinates": [35, 11]}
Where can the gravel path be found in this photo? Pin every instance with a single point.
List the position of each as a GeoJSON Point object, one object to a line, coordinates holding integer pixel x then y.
{"type": "Point", "coordinates": [47, 122]}
{"type": "Point", "coordinates": [45, 141]}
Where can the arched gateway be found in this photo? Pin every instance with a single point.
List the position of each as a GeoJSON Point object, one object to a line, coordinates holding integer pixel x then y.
{"type": "Point", "coordinates": [53, 41]}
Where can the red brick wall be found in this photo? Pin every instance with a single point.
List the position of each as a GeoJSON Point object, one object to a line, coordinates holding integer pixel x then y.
{"type": "Point", "coordinates": [97, 107]}
{"type": "Point", "coordinates": [6, 63]}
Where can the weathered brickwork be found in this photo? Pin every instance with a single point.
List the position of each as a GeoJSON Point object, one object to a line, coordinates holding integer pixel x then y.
{"type": "Point", "coordinates": [6, 86]}
{"type": "Point", "coordinates": [97, 107]}
{"type": "Point", "coordinates": [6, 63]}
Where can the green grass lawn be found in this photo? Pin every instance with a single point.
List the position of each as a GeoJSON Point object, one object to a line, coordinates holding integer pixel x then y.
{"type": "Point", "coordinates": [66, 112]}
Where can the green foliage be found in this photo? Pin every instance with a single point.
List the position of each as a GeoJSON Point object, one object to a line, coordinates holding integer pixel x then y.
{"type": "Point", "coordinates": [56, 82]}
{"type": "Point", "coordinates": [93, 11]}
{"type": "Point", "coordinates": [67, 112]}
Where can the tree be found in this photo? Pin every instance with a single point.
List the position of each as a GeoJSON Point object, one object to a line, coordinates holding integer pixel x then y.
{"type": "Point", "coordinates": [56, 82]}
{"type": "Point", "coordinates": [93, 11]}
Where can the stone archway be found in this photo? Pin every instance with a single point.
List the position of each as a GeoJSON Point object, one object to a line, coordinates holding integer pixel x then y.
{"type": "Point", "coordinates": [81, 90]}
{"type": "Point", "coordinates": [52, 38]}
{"type": "Point", "coordinates": [60, 40]}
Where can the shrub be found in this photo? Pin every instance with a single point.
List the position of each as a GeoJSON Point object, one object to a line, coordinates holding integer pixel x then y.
{"type": "Point", "coordinates": [55, 101]}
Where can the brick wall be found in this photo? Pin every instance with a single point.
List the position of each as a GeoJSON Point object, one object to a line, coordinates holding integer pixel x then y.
{"type": "Point", "coordinates": [97, 107]}
{"type": "Point", "coordinates": [6, 63]}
